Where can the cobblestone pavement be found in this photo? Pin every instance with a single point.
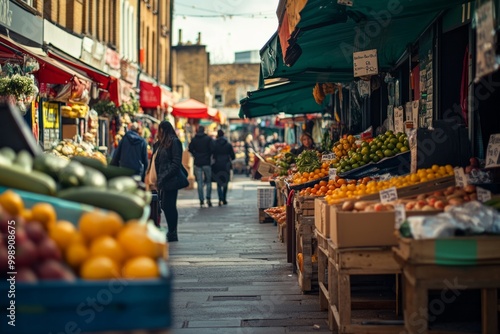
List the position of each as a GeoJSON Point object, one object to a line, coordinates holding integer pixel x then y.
{"type": "Point", "coordinates": [230, 272]}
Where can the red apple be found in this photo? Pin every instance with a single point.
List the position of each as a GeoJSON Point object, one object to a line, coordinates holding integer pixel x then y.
{"type": "Point", "coordinates": [54, 270]}
{"type": "Point", "coordinates": [379, 207]}
{"type": "Point", "coordinates": [26, 275]}
{"type": "Point", "coordinates": [36, 232]}
{"type": "Point", "coordinates": [26, 253]}
{"type": "Point", "coordinates": [47, 249]}
{"type": "Point", "coordinates": [410, 206]}
{"type": "Point", "coordinates": [439, 205]}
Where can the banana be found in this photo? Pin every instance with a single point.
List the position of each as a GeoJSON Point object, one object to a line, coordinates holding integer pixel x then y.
{"type": "Point", "coordinates": [129, 206]}
{"type": "Point", "coordinates": [34, 181]}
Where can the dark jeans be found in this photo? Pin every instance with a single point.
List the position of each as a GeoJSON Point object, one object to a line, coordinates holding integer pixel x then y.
{"type": "Point", "coordinates": [222, 191]}
{"type": "Point", "coordinates": [169, 207]}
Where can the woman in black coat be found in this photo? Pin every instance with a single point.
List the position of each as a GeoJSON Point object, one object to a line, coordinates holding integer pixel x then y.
{"type": "Point", "coordinates": [223, 154]}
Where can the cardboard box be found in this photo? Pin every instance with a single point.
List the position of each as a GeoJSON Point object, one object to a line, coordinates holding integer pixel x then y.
{"type": "Point", "coordinates": [322, 216]}
{"type": "Point", "coordinates": [362, 229]}
{"type": "Point", "coordinates": [457, 251]}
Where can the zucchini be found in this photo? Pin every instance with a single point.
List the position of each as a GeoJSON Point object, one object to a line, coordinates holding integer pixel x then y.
{"type": "Point", "coordinates": [128, 206]}
{"type": "Point", "coordinates": [34, 181]}
{"type": "Point", "coordinates": [8, 153]}
{"type": "Point", "coordinates": [24, 161]}
{"type": "Point", "coordinates": [72, 174]}
{"type": "Point", "coordinates": [93, 178]}
{"type": "Point", "coordinates": [108, 170]}
{"type": "Point", "coordinates": [123, 184]}
{"type": "Point", "coordinates": [49, 164]}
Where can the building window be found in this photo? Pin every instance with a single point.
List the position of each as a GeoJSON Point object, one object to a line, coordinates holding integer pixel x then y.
{"type": "Point", "coordinates": [28, 2]}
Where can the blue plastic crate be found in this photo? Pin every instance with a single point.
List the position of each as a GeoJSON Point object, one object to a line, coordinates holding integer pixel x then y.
{"type": "Point", "coordinates": [89, 306]}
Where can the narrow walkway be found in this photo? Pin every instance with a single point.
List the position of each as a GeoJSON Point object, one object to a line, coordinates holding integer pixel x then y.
{"type": "Point", "coordinates": [231, 273]}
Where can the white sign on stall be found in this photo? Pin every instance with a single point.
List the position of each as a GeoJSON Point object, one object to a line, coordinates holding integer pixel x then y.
{"type": "Point", "coordinates": [485, 40]}
{"type": "Point", "coordinates": [493, 151]}
{"type": "Point", "coordinates": [398, 119]}
{"type": "Point", "coordinates": [415, 107]}
{"type": "Point", "coordinates": [365, 63]}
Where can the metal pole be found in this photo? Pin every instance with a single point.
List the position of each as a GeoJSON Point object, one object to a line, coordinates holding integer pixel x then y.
{"type": "Point", "coordinates": [139, 69]}
{"type": "Point", "coordinates": [158, 49]}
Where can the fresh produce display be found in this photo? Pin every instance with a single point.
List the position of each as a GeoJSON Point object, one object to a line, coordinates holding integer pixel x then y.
{"type": "Point", "coordinates": [314, 174]}
{"type": "Point", "coordinates": [68, 148]}
{"type": "Point", "coordinates": [100, 245]}
{"type": "Point", "coordinates": [324, 188]}
{"type": "Point", "coordinates": [76, 180]}
{"type": "Point", "coordinates": [308, 161]}
{"type": "Point", "coordinates": [353, 156]}
{"type": "Point", "coordinates": [277, 213]}
{"type": "Point", "coordinates": [372, 187]}
{"type": "Point", "coordinates": [440, 200]}
{"type": "Point", "coordinates": [284, 161]}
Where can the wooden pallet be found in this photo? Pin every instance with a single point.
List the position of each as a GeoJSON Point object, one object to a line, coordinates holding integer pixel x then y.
{"type": "Point", "coordinates": [343, 265]}
{"type": "Point", "coordinates": [304, 205]}
{"type": "Point", "coordinates": [306, 246]}
{"type": "Point", "coordinates": [324, 294]}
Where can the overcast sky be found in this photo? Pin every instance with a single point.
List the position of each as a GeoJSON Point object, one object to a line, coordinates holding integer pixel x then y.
{"type": "Point", "coordinates": [226, 26]}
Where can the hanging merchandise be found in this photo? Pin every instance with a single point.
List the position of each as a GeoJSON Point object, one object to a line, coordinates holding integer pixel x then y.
{"type": "Point", "coordinates": [317, 130]}
{"type": "Point", "coordinates": [486, 59]}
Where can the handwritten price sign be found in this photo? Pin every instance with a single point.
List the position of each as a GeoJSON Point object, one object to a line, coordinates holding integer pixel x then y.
{"type": "Point", "coordinates": [388, 195]}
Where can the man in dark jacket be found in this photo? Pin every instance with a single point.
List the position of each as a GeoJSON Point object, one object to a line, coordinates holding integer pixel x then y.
{"type": "Point", "coordinates": [223, 153]}
{"type": "Point", "coordinates": [200, 148]}
{"type": "Point", "coordinates": [132, 152]}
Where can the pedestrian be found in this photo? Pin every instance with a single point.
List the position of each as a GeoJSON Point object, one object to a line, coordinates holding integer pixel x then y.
{"type": "Point", "coordinates": [249, 149]}
{"type": "Point", "coordinates": [200, 147]}
{"type": "Point", "coordinates": [223, 153]}
{"type": "Point", "coordinates": [307, 144]}
{"type": "Point", "coordinates": [132, 152]}
{"type": "Point", "coordinates": [171, 175]}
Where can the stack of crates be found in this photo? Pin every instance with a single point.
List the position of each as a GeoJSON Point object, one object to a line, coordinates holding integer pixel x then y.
{"type": "Point", "coordinates": [265, 200]}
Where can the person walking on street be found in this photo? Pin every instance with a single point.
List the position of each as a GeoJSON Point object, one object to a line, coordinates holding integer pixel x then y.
{"type": "Point", "coordinates": [132, 152]}
{"type": "Point", "coordinates": [223, 153]}
{"type": "Point", "coordinates": [200, 148]}
{"type": "Point", "coordinates": [171, 175]}
{"type": "Point", "coordinates": [249, 148]}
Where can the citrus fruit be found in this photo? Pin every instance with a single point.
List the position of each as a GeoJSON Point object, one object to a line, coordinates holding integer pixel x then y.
{"type": "Point", "coordinates": [97, 223]}
{"type": "Point", "coordinates": [136, 242]}
{"type": "Point", "coordinates": [62, 232]}
{"type": "Point", "coordinates": [75, 254]}
{"type": "Point", "coordinates": [140, 267]}
{"type": "Point", "coordinates": [99, 267]}
{"type": "Point", "coordinates": [12, 202]}
{"type": "Point", "coordinates": [44, 213]}
{"type": "Point", "coordinates": [107, 246]}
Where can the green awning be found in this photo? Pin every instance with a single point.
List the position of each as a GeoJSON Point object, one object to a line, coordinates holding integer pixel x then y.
{"type": "Point", "coordinates": [290, 98]}
{"type": "Point", "coordinates": [328, 34]}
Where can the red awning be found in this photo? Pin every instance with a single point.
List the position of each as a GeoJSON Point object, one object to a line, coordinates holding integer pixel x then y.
{"type": "Point", "coordinates": [51, 71]}
{"type": "Point", "coordinates": [149, 95]}
{"type": "Point", "coordinates": [190, 108]}
{"type": "Point", "coordinates": [105, 81]}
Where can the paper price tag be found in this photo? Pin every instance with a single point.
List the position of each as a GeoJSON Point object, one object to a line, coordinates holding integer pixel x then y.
{"type": "Point", "coordinates": [388, 195]}
{"type": "Point", "coordinates": [460, 178]}
{"type": "Point", "coordinates": [400, 215]}
{"type": "Point", "coordinates": [483, 195]}
{"type": "Point", "coordinates": [384, 177]}
{"type": "Point", "coordinates": [328, 157]}
{"type": "Point", "coordinates": [332, 173]}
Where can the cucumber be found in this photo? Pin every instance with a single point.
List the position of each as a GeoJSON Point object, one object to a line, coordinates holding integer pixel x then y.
{"type": "Point", "coordinates": [94, 178]}
{"type": "Point", "coordinates": [49, 164]}
{"type": "Point", "coordinates": [123, 184]}
{"type": "Point", "coordinates": [128, 206]}
{"type": "Point", "coordinates": [8, 153]}
{"type": "Point", "coordinates": [108, 171]}
{"type": "Point", "coordinates": [72, 174]}
{"type": "Point", "coordinates": [24, 160]}
{"type": "Point", "coordinates": [34, 181]}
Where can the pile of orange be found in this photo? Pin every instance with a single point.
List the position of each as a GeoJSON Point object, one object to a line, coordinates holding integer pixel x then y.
{"type": "Point", "coordinates": [327, 188]}
{"type": "Point", "coordinates": [318, 173]}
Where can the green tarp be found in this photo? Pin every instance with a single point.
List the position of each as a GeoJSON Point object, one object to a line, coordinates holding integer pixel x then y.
{"type": "Point", "coordinates": [328, 34]}
{"type": "Point", "coordinates": [290, 98]}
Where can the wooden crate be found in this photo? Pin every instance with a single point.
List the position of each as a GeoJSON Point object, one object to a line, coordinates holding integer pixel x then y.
{"type": "Point", "coordinates": [471, 250]}
{"type": "Point", "coordinates": [304, 205]}
{"type": "Point", "coordinates": [345, 264]}
{"type": "Point", "coordinates": [324, 294]}
{"type": "Point", "coordinates": [420, 278]}
{"type": "Point", "coordinates": [306, 248]}
{"type": "Point", "coordinates": [264, 217]}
